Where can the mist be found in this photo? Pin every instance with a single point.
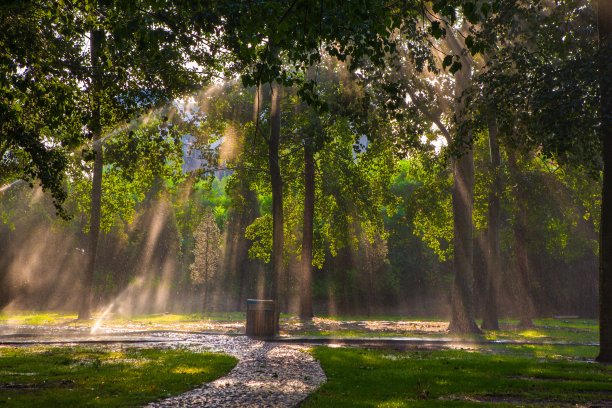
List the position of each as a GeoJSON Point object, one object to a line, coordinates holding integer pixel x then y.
{"type": "Point", "coordinates": [387, 257]}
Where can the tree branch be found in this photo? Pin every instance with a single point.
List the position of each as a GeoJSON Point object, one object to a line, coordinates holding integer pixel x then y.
{"type": "Point", "coordinates": [429, 115]}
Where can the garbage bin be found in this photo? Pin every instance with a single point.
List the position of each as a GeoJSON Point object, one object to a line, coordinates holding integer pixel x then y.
{"type": "Point", "coordinates": [260, 318]}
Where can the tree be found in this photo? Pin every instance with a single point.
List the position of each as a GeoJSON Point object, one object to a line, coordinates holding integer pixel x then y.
{"type": "Point", "coordinates": [604, 25]}
{"type": "Point", "coordinates": [276, 182]}
{"type": "Point", "coordinates": [40, 99]}
{"type": "Point", "coordinates": [300, 33]}
{"type": "Point", "coordinates": [306, 312]}
{"type": "Point", "coordinates": [458, 135]}
{"type": "Point", "coordinates": [207, 253]}
{"type": "Point", "coordinates": [149, 68]}
{"type": "Point", "coordinates": [493, 265]}
{"type": "Point", "coordinates": [95, 51]}
{"type": "Point", "coordinates": [519, 234]}
{"type": "Point", "coordinates": [559, 107]}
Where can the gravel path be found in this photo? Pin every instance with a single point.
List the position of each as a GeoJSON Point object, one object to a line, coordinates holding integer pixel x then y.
{"type": "Point", "coordinates": [267, 374]}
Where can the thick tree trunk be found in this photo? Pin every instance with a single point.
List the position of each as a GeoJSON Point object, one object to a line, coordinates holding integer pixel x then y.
{"type": "Point", "coordinates": [462, 309]}
{"type": "Point", "coordinates": [277, 198]}
{"type": "Point", "coordinates": [604, 21]}
{"type": "Point", "coordinates": [462, 313]}
{"type": "Point", "coordinates": [96, 38]}
{"type": "Point", "coordinates": [493, 256]}
{"type": "Point", "coordinates": [306, 312]}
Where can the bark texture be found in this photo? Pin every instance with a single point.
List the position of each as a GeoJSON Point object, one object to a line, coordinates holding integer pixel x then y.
{"type": "Point", "coordinates": [462, 308]}
{"type": "Point", "coordinates": [604, 22]}
{"type": "Point", "coordinates": [96, 39]}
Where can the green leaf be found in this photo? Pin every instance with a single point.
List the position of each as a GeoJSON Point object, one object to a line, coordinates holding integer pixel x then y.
{"type": "Point", "coordinates": [469, 41]}
{"type": "Point", "coordinates": [437, 31]}
{"type": "Point", "coordinates": [448, 60]}
{"type": "Point", "coordinates": [455, 67]}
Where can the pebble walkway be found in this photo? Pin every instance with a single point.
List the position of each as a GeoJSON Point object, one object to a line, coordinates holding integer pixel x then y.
{"type": "Point", "coordinates": [267, 374]}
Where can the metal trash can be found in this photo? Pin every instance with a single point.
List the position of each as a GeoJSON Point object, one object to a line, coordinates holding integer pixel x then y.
{"type": "Point", "coordinates": [260, 318]}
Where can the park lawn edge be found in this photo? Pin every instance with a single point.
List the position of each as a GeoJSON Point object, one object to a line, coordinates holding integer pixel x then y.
{"type": "Point", "coordinates": [359, 377]}
{"type": "Point", "coordinates": [45, 376]}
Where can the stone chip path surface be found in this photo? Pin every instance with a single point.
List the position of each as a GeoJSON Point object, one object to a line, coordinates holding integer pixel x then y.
{"type": "Point", "coordinates": [267, 374]}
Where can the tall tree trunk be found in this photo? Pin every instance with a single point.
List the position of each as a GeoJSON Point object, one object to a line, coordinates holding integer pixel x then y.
{"type": "Point", "coordinates": [277, 199]}
{"type": "Point", "coordinates": [604, 22]}
{"type": "Point", "coordinates": [462, 312]}
{"type": "Point", "coordinates": [306, 312]}
{"type": "Point", "coordinates": [462, 308]}
{"type": "Point", "coordinates": [96, 38]}
{"type": "Point", "coordinates": [237, 264]}
{"type": "Point", "coordinates": [526, 308]}
{"type": "Point", "coordinates": [493, 275]}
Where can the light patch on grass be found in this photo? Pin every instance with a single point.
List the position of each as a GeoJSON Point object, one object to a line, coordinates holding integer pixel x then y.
{"type": "Point", "coordinates": [393, 357]}
{"type": "Point", "coordinates": [532, 334]}
{"type": "Point", "coordinates": [188, 370]}
{"type": "Point", "coordinates": [36, 318]}
{"type": "Point", "coordinates": [391, 404]}
{"type": "Point", "coordinates": [14, 373]}
{"type": "Point", "coordinates": [169, 318]}
{"type": "Point", "coordinates": [133, 362]}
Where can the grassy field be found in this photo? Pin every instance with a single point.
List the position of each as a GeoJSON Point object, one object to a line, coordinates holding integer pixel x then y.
{"type": "Point", "coordinates": [570, 330]}
{"type": "Point", "coordinates": [574, 330]}
{"type": "Point", "coordinates": [383, 378]}
{"type": "Point", "coordinates": [37, 318]}
{"type": "Point", "coordinates": [501, 373]}
{"type": "Point", "coordinates": [79, 377]}
{"type": "Point", "coordinates": [59, 318]}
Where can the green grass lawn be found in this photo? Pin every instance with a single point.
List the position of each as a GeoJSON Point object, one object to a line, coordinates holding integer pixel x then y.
{"type": "Point", "coordinates": [383, 378]}
{"type": "Point", "coordinates": [78, 377]}
{"type": "Point", "coordinates": [570, 330]}
{"type": "Point", "coordinates": [545, 330]}
{"type": "Point", "coordinates": [501, 374]}
{"type": "Point", "coordinates": [37, 318]}
{"type": "Point", "coordinates": [59, 318]}
{"type": "Point", "coordinates": [549, 330]}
